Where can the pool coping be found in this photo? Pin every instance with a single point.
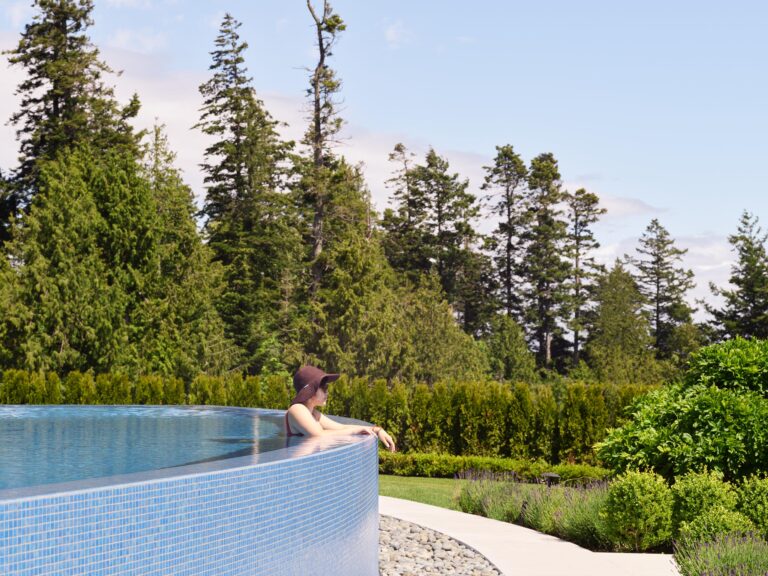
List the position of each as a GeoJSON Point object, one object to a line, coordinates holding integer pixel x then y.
{"type": "Point", "coordinates": [314, 445]}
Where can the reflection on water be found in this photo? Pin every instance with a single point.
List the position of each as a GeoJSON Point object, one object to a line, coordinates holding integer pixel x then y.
{"type": "Point", "coordinates": [49, 444]}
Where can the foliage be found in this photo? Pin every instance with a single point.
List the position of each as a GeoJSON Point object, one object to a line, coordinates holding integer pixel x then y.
{"type": "Point", "coordinates": [638, 511]}
{"type": "Point", "coordinates": [712, 419]}
{"type": "Point", "coordinates": [448, 466]}
{"type": "Point", "coordinates": [110, 272]}
{"type": "Point", "coordinates": [583, 211]}
{"type": "Point", "coordinates": [698, 492]}
{"type": "Point", "coordinates": [251, 223]}
{"type": "Point", "coordinates": [572, 513]}
{"type": "Point", "coordinates": [619, 344]}
{"type": "Point", "coordinates": [545, 269]}
{"type": "Point", "coordinates": [510, 358]}
{"type": "Point", "coordinates": [745, 310]}
{"type": "Point", "coordinates": [664, 284]}
{"type": "Point", "coordinates": [737, 364]}
{"type": "Point", "coordinates": [725, 555]}
{"type": "Point", "coordinates": [753, 502]}
{"type": "Point", "coordinates": [579, 519]}
{"type": "Point", "coordinates": [716, 521]}
{"type": "Point", "coordinates": [675, 430]}
{"type": "Point", "coordinates": [64, 100]}
{"type": "Point", "coordinates": [506, 182]}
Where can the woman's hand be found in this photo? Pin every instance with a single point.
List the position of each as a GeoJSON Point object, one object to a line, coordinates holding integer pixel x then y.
{"type": "Point", "coordinates": [386, 439]}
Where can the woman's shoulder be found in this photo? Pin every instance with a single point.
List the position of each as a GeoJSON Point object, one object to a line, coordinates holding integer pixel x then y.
{"type": "Point", "coordinates": [297, 409]}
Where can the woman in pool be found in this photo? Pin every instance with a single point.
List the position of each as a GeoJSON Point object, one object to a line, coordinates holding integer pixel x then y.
{"type": "Point", "coordinates": [304, 419]}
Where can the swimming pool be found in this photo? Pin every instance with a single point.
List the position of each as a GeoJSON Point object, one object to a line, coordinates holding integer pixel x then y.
{"type": "Point", "coordinates": [181, 490]}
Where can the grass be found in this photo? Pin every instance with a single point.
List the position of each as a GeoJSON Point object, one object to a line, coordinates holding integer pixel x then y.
{"type": "Point", "coordinates": [441, 492]}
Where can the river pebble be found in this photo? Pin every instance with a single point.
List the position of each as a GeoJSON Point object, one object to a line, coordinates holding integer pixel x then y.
{"type": "Point", "coordinates": [407, 549]}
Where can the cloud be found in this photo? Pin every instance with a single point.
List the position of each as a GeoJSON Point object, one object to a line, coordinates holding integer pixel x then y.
{"type": "Point", "coordinates": [623, 207]}
{"type": "Point", "coordinates": [396, 34]}
{"type": "Point", "coordinates": [144, 41]}
{"type": "Point", "coordinates": [19, 13]}
{"type": "Point", "coordinates": [708, 256]}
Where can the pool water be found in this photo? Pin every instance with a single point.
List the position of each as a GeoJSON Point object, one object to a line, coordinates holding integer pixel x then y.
{"type": "Point", "coordinates": [51, 444]}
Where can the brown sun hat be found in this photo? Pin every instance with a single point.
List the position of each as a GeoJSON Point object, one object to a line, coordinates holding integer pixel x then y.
{"type": "Point", "coordinates": [307, 380]}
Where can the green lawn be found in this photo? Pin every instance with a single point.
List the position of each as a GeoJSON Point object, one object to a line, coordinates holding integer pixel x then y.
{"type": "Point", "coordinates": [436, 491]}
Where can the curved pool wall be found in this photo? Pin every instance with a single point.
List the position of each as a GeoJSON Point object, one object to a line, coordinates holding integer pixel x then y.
{"type": "Point", "coordinates": [306, 509]}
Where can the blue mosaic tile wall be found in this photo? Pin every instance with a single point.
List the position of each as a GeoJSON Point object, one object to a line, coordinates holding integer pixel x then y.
{"type": "Point", "coordinates": [311, 516]}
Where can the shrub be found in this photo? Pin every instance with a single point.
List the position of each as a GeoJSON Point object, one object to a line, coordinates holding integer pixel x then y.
{"type": "Point", "coordinates": [715, 521]}
{"type": "Point", "coordinates": [725, 555]}
{"type": "Point", "coordinates": [114, 389]}
{"type": "Point", "coordinates": [498, 499]}
{"type": "Point", "coordinates": [753, 502]}
{"type": "Point", "coordinates": [543, 509]}
{"type": "Point", "coordinates": [80, 388]}
{"type": "Point", "coordinates": [695, 493]}
{"type": "Point", "coordinates": [638, 511]}
{"type": "Point", "coordinates": [676, 429]}
{"type": "Point", "coordinates": [737, 364]}
{"type": "Point", "coordinates": [174, 391]}
{"type": "Point", "coordinates": [580, 521]}
{"type": "Point", "coordinates": [448, 466]}
{"type": "Point", "coordinates": [148, 390]}
{"type": "Point", "coordinates": [15, 387]}
{"type": "Point", "coordinates": [208, 390]}
{"type": "Point", "coordinates": [277, 391]}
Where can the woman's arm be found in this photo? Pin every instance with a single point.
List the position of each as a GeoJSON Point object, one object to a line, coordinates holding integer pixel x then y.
{"type": "Point", "coordinates": [329, 424]}
{"type": "Point", "coordinates": [378, 431]}
{"type": "Point", "coordinates": [306, 423]}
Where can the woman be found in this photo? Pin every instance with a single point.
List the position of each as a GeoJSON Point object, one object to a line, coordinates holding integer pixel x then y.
{"type": "Point", "coordinates": [304, 419]}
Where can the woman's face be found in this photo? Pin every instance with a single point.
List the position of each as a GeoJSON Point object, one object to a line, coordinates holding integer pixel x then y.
{"type": "Point", "coordinates": [321, 396]}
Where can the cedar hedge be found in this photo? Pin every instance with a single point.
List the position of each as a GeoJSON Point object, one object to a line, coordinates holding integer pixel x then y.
{"type": "Point", "coordinates": [554, 422]}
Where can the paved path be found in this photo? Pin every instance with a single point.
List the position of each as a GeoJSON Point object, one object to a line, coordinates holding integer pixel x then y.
{"type": "Point", "coordinates": [518, 551]}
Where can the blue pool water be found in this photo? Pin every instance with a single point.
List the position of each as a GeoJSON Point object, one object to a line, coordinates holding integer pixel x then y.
{"type": "Point", "coordinates": [52, 444]}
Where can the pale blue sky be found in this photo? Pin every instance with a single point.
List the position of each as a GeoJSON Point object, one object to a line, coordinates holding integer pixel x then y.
{"type": "Point", "coordinates": [659, 107]}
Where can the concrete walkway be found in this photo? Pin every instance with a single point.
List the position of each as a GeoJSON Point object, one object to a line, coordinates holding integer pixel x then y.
{"type": "Point", "coordinates": [518, 551]}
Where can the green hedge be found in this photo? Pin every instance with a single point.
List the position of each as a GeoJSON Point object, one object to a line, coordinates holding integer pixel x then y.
{"type": "Point", "coordinates": [555, 423]}
{"type": "Point", "coordinates": [448, 466]}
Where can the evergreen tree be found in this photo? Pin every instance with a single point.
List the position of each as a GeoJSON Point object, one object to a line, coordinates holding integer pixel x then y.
{"type": "Point", "coordinates": [7, 208]}
{"type": "Point", "coordinates": [68, 303]}
{"type": "Point", "coordinates": [745, 309]}
{"type": "Point", "coordinates": [438, 348]}
{"type": "Point", "coordinates": [583, 211]}
{"type": "Point", "coordinates": [546, 270]}
{"type": "Point", "coordinates": [323, 128]}
{"type": "Point", "coordinates": [664, 284]}
{"type": "Point", "coordinates": [404, 239]}
{"type": "Point", "coordinates": [177, 326]}
{"type": "Point", "coordinates": [510, 358]}
{"type": "Point", "coordinates": [448, 235]}
{"type": "Point", "coordinates": [109, 271]}
{"type": "Point", "coordinates": [64, 100]}
{"type": "Point", "coordinates": [506, 180]}
{"type": "Point", "coordinates": [620, 344]}
{"type": "Point", "coordinates": [251, 222]}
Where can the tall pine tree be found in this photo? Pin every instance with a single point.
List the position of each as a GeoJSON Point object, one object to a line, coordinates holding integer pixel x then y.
{"type": "Point", "coordinates": [506, 182]}
{"type": "Point", "coordinates": [324, 125]}
{"type": "Point", "coordinates": [583, 211]}
{"type": "Point", "coordinates": [620, 342]}
{"type": "Point", "coordinates": [545, 270]}
{"type": "Point", "coordinates": [251, 222]}
{"type": "Point", "coordinates": [64, 99]}
{"type": "Point", "coordinates": [664, 283]}
{"type": "Point", "coordinates": [404, 225]}
{"type": "Point", "coordinates": [745, 308]}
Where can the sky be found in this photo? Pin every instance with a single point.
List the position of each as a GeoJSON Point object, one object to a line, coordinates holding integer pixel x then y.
{"type": "Point", "coordinates": [658, 107]}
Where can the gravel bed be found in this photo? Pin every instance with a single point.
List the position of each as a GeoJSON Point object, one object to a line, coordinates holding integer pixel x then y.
{"type": "Point", "coordinates": [407, 549]}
